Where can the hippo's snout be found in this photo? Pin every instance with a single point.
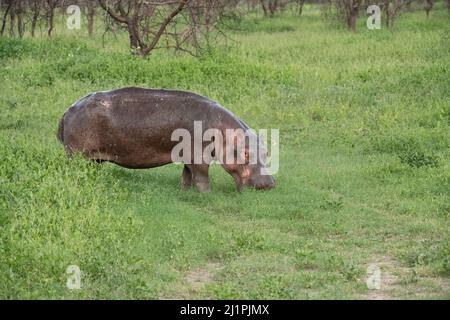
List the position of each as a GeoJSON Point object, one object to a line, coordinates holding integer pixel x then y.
{"type": "Point", "coordinates": [262, 182]}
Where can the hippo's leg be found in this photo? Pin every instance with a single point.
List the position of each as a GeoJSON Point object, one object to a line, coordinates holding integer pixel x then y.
{"type": "Point", "coordinates": [200, 177]}
{"type": "Point", "coordinates": [186, 178]}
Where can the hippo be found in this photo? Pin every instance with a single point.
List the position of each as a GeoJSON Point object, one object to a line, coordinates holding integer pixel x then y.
{"type": "Point", "coordinates": [133, 128]}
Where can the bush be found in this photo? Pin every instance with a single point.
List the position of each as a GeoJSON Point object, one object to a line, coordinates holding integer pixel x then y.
{"type": "Point", "coordinates": [14, 48]}
{"type": "Point", "coordinates": [417, 158]}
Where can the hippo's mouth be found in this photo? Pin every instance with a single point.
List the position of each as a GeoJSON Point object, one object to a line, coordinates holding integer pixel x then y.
{"type": "Point", "coordinates": [263, 186]}
{"type": "Point", "coordinates": [261, 183]}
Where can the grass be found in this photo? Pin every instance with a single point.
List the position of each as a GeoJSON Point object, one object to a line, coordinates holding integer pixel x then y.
{"type": "Point", "coordinates": [364, 174]}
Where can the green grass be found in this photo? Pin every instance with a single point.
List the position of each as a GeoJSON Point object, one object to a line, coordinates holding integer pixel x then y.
{"type": "Point", "coordinates": [364, 174]}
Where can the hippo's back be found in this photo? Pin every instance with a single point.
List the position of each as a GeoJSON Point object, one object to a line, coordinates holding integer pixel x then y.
{"type": "Point", "coordinates": [139, 103]}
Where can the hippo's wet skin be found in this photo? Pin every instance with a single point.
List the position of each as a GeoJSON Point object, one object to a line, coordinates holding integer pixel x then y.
{"type": "Point", "coordinates": [132, 127]}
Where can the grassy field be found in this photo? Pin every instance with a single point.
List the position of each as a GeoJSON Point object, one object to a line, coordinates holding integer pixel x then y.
{"type": "Point", "coordinates": [364, 174]}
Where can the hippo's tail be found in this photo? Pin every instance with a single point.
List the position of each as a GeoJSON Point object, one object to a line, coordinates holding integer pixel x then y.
{"type": "Point", "coordinates": [60, 133]}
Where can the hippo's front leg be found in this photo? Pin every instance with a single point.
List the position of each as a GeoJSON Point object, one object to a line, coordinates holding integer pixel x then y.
{"type": "Point", "coordinates": [200, 177]}
{"type": "Point", "coordinates": [186, 178]}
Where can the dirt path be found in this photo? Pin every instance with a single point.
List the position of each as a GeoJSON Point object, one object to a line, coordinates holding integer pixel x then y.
{"type": "Point", "coordinates": [400, 282]}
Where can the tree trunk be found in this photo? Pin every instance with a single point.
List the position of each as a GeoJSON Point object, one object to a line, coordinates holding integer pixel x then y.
{"type": "Point", "coordinates": [50, 16]}
{"type": "Point", "coordinates": [195, 16]}
{"type": "Point", "coordinates": [134, 36]}
{"type": "Point", "coordinates": [353, 14]}
{"type": "Point", "coordinates": [387, 12]}
{"type": "Point", "coordinates": [20, 24]}
{"type": "Point", "coordinates": [351, 22]}
{"type": "Point", "coordinates": [273, 7]}
{"type": "Point", "coordinates": [300, 4]}
{"type": "Point", "coordinates": [90, 17]}
{"type": "Point", "coordinates": [5, 17]}
{"type": "Point", "coordinates": [208, 16]}
{"type": "Point", "coordinates": [263, 5]}
{"type": "Point", "coordinates": [34, 20]}
{"type": "Point", "coordinates": [50, 21]}
{"type": "Point", "coordinates": [428, 6]}
{"type": "Point", "coordinates": [12, 22]}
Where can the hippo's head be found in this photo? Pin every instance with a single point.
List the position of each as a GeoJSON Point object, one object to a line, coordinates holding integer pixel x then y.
{"type": "Point", "coordinates": [251, 170]}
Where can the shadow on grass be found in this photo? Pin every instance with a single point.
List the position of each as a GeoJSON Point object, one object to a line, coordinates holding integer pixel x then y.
{"type": "Point", "coordinates": [167, 179]}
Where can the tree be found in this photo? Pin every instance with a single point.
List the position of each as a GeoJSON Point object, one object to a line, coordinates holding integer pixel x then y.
{"type": "Point", "coordinates": [5, 16]}
{"type": "Point", "coordinates": [271, 7]}
{"type": "Point", "coordinates": [50, 14]}
{"type": "Point", "coordinates": [22, 12]}
{"type": "Point", "coordinates": [136, 16]}
{"type": "Point", "coordinates": [35, 7]}
{"type": "Point", "coordinates": [347, 11]}
{"type": "Point", "coordinates": [15, 10]}
{"type": "Point", "coordinates": [183, 25]}
{"type": "Point", "coordinates": [90, 13]}
{"type": "Point", "coordinates": [392, 9]}
{"type": "Point", "coordinates": [351, 12]}
{"type": "Point", "coordinates": [300, 4]}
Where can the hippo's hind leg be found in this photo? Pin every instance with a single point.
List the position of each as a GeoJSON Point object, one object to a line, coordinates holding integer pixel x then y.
{"type": "Point", "coordinates": [200, 177]}
{"type": "Point", "coordinates": [186, 178]}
